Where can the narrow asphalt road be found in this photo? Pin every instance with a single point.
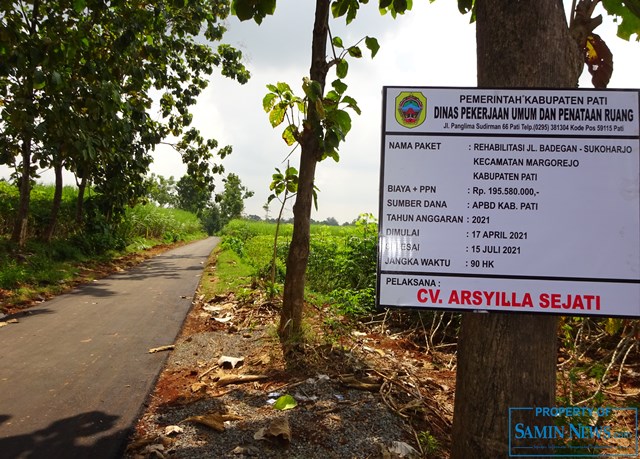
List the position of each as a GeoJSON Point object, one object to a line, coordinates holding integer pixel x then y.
{"type": "Point", "coordinates": [75, 372]}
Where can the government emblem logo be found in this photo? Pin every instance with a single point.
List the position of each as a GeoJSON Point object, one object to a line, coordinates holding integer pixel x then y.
{"type": "Point", "coordinates": [411, 109]}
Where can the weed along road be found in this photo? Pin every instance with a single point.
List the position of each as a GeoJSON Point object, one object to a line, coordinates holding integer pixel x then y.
{"type": "Point", "coordinates": [75, 371]}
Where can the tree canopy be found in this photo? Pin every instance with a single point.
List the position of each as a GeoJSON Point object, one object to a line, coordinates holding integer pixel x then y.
{"type": "Point", "coordinates": [78, 79]}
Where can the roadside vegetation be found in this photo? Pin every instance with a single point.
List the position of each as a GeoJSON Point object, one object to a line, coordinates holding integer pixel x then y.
{"type": "Point", "coordinates": [79, 240]}
{"type": "Point", "coordinates": [78, 251]}
{"type": "Point", "coordinates": [599, 359]}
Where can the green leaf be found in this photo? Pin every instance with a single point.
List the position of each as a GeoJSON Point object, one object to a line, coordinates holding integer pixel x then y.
{"type": "Point", "coordinates": [266, 7]}
{"type": "Point", "coordinates": [384, 4]}
{"type": "Point", "coordinates": [283, 88]}
{"type": "Point", "coordinates": [627, 14]}
{"type": "Point", "coordinates": [39, 80]}
{"type": "Point", "coordinates": [352, 104]}
{"type": "Point", "coordinates": [353, 10]}
{"type": "Point", "coordinates": [56, 79]}
{"type": "Point", "coordinates": [373, 45]}
{"type": "Point", "coordinates": [464, 6]}
{"type": "Point", "coordinates": [395, 7]}
{"type": "Point", "coordinates": [333, 154]}
{"type": "Point", "coordinates": [79, 5]}
{"type": "Point", "coordinates": [339, 86]}
{"type": "Point", "coordinates": [354, 51]}
{"type": "Point", "coordinates": [339, 8]}
{"type": "Point", "coordinates": [331, 140]}
{"type": "Point", "coordinates": [286, 402]}
{"type": "Point", "coordinates": [331, 99]}
{"type": "Point", "coordinates": [268, 101]}
{"type": "Point", "coordinates": [337, 42]}
{"type": "Point", "coordinates": [400, 6]}
{"type": "Point", "coordinates": [312, 89]}
{"type": "Point", "coordinates": [291, 172]}
{"type": "Point", "coordinates": [276, 115]}
{"type": "Point", "coordinates": [342, 121]}
{"type": "Point", "coordinates": [290, 134]}
{"type": "Point", "coordinates": [272, 88]}
{"type": "Point", "coordinates": [242, 9]}
{"type": "Point", "coordinates": [342, 68]}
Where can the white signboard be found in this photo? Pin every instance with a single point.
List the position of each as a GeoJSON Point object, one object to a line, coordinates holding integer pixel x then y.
{"type": "Point", "coordinates": [510, 200]}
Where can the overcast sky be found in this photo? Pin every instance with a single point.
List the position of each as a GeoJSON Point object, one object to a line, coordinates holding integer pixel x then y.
{"type": "Point", "coordinates": [432, 45]}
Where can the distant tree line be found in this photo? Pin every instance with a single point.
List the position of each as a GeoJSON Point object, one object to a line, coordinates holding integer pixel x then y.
{"type": "Point", "coordinates": [215, 210]}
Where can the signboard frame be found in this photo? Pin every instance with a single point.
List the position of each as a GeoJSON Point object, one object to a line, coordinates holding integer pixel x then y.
{"type": "Point", "coordinates": [502, 125]}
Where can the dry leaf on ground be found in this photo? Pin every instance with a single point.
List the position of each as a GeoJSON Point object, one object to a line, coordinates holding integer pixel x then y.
{"type": "Point", "coordinates": [170, 430]}
{"type": "Point", "coordinates": [361, 384]}
{"type": "Point", "coordinates": [214, 421]}
{"type": "Point", "coordinates": [198, 387]}
{"type": "Point", "coordinates": [278, 430]}
{"type": "Point", "coordinates": [398, 450]}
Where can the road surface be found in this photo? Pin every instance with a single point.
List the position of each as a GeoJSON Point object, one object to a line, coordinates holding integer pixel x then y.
{"type": "Point", "coordinates": [75, 371]}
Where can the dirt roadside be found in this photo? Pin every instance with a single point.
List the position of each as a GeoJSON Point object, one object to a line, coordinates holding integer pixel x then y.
{"type": "Point", "coordinates": [362, 390]}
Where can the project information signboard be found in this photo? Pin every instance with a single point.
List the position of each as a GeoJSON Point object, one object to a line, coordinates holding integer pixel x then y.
{"type": "Point", "coordinates": [510, 200]}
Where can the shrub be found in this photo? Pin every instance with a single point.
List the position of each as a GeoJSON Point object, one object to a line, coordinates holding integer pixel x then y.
{"type": "Point", "coordinates": [235, 244]}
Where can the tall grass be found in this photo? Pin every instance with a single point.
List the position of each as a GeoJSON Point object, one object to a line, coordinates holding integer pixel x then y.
{"type": "Point", "coordinates": [152, 222]}
{"type": "Point", "coordinates": [39, 210]}
{"type": "Point", "coordinates": [142, 221]}
{"type": "Point", "coordinates": [342, 259]}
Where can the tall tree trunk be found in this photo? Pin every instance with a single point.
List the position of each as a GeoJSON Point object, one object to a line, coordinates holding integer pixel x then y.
{"type": "Point", "coordinates": [290, 328]}
{"type": "Point", "coordinates": [19, 235]}
{"type": "Point", "coordinates": [509, 360]}
{"type": "Point", "coordinates": [82, 186]}
{"type": "Point", "coordinates": [57, 200]}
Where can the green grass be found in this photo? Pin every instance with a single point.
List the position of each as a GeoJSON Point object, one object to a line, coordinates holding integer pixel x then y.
{"type": "Point", "coordinates": [229, 273]}
{"type": "Point", "coordinates": [246, 229]}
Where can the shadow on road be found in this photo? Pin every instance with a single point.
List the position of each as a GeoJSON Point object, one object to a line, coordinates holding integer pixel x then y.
{"type": "Point", "coordinates": [35, 311]}
{"type": "Point", "coordinates": [66, 438]}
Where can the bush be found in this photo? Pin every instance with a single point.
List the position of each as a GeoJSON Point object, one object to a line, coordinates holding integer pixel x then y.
{"type": "Point", "coordinates": [355, 302]}
{"type": "Point", "coordinates": [235, 244]}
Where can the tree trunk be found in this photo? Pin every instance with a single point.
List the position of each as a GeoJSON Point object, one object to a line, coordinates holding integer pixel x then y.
{"type": "Point", "coordinates": [509, 360]}
{"type": "Point", "coordinates": [55, 205]}
{"type": "Point", "coordinates": [290, 328]}
{"type": "Point", "coordinates": [20, 227]}
{"type": "Point", "coordinates": [82, 186]}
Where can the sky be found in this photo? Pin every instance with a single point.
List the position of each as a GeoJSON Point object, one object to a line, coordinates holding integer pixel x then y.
{"type": "Point", "coordinates": [432, 45]}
